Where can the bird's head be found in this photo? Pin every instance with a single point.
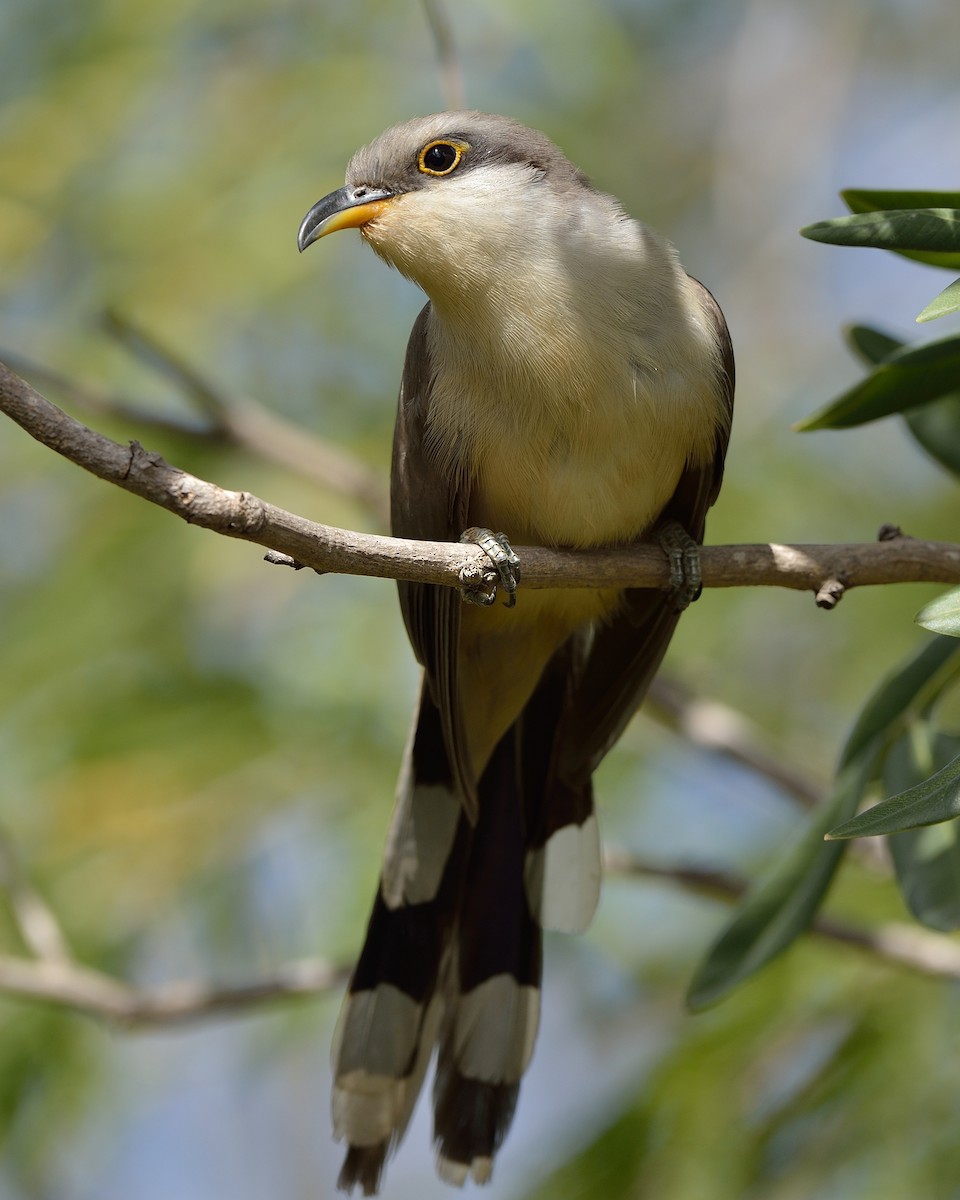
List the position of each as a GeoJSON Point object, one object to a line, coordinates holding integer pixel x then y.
{"type": "Point", "coordinates": [448, 198]}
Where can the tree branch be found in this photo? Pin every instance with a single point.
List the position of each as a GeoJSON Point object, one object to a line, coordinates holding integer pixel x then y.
{"type": "Point", "coordinates": [451, 74]}
{"type": "Point", "coordinates": [246, 423]}
{"type": "Point", "coordinates": [904, 945]}
{"type": "Point", "coordinates": [325, 548]}
{"type": "Point", "coordinates": [71, 985]}
{"type": "Point", "coordinates": [227, 419]}
{"type": "Point", "coordinates": [90, 992]}
{"type": "Point", "coordinates": [723, 730]}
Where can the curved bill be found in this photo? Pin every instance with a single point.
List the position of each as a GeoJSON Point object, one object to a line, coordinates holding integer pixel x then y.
{"type": "Point", "coordinates": [347, 208]}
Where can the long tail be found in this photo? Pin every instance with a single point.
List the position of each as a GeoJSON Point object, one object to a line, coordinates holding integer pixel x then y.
{"type": "Point", "coordinates": [452, 955]}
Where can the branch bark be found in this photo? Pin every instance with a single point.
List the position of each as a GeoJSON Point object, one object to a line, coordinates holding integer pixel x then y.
{"type": "Point", "coordinates": [85, 990]}
{"type": "Point", "coordinates": [451, 72]}
{"type": "Point", "coordinates": [325, 548]}
{"type": "Point", "coordinates": [904, 945]}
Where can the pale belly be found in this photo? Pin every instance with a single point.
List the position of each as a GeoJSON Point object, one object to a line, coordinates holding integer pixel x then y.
{"type": "Point", "coordinates": [595, 475]}
{"type": "Point", "coordinates": [607, 492]}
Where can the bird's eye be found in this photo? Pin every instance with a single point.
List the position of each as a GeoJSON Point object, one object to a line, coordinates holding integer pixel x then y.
{"type": "Point", "coordinates": [440, 158]}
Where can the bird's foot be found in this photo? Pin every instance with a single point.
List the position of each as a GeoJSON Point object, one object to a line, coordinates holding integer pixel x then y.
{"type": "Point", "coordinates": [683, 555]}
{"type": "Point", "coordinates": [505, 573]}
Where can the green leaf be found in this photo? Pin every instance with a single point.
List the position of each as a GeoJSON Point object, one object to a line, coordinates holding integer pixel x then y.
{"type": "Point", "coordinates": [905, 379]}
{"type": "Point", "coordinates": [943, 614]}
{"type": "Point", "coordinates": [781, 905]}
{"type": "Point", "coordinates": [928, 230]}
{"type": "Point", "coordinates": [861, 200]}
{"type": "Point", "coordinates": [912, 687]}
{"type": "Point", "coordinates": [936, 799]}
{"type": "Point", "coordinates": [914, 684]}
{"type": "Point", "coordinates": [947, 302]}
{"type": "Point", "coordinates": [927, 861]}
{"type": "Point", "coordinates": [871, 345]}
{"type": "Point", "coordinates": [936, 426]}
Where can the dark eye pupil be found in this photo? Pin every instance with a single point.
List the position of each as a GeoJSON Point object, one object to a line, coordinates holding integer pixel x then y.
{"type": "Point", "coordinates": [440, 158]}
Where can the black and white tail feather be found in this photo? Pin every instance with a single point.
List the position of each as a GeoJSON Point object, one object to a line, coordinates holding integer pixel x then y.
{"type": "Point", "coordinates": [452, 957]}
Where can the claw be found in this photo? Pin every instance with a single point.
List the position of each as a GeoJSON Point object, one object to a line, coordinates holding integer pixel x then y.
{"type": "Point", "coordinates": [683, 554]}
{"type": "Point", "coordinates": [506, 568]}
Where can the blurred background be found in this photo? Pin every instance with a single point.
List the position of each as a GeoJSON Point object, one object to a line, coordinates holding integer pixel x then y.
{"type": "Point", "coordinates": [198, 751]}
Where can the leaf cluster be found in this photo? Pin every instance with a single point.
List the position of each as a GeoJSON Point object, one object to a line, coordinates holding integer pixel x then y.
{"type": "Point", "coordinates": [898, 746]}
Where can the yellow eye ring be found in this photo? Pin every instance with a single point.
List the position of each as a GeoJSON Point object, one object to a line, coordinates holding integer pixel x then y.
{"type": "Point", "coordinates": [440, 157]}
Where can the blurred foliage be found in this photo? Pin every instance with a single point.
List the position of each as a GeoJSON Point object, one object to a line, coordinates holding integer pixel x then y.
{"type": "Point", "coordinates": [199, 751]}
{"type": "Point", "coordinates": [897, 740]}
{"type": "Point", "coordinates": [781, 1092]}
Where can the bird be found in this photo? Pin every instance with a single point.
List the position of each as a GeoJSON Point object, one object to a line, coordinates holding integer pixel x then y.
{"type": "Point", "coordinates": [568, 383]}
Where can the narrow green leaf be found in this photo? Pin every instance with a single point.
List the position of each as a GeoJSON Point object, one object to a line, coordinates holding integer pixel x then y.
{"type": "Point", "coordinates": [942, 615]}
{"type": "Point", "coordinates": [906, 378]}
{"type": "Point", "coordinates": [781, 905]}
{"type": "Point", "coordinates": [871, 345]}
{"type": "Point", "coordinates": [861, 200]}
{"type": "Point", "coordinates": [927, 861]}
{"type": "Point", "coordinates": [947, 302]}
{"type": "Point", "coordinates": [936, 799]}
{"type": "Point", "coordinates": [936, 426]}
{"type": "Point", "coordinates": [930, 230]}
{"type": "Point", "coordinates": [918, 680]}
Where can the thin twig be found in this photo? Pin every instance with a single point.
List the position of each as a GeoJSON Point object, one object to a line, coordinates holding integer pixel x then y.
{"type": "Point", "coordinates": [248, 424]}
{"type": "Point", "coordinates": [73, 986]}
{"type": "Point", "coordinates": [202, 393]}
{"type": "Point", "coordinates": [102, 403]}
{"type": "Point", "coordinates": [225, 418]}
{"type": "Point", "coordinates": [451, 74]}
{"type": "Point", "coordinates": [325, 548]}
{"type": "Point", "coordinates": [905, 945]}
{"type": "Point", "coordinates": [723, 730]}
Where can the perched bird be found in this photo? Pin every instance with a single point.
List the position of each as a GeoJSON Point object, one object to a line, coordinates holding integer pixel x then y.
{"type": "Point", "coordinates": [570, 384]}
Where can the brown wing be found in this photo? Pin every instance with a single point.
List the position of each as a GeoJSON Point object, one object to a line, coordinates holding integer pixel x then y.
{"type": "Point", "coordinates": [428, 503]}
{"type": "Point", "coordinates": [619, 661]}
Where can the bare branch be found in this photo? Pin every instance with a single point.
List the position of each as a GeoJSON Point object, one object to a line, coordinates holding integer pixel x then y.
{"type": "Point", "coordinates": [246, 423]}
{"type": "Point", "coordinates": [71, 985]}
{"type": "Point", "coordinates": [723, 730]}
{"type": "Point", "coordinates": [228, 419]}
{"type": "Point", "coordinates": [451, 75]}
{"type": "Point", "coordinates": [325, 548]}
{"type": "Point", "coordinates": [904, 945]}
{"type": "Point", "coordinates": [100, 402]}
{"type": "Point", "coordinates": [84, 990]}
